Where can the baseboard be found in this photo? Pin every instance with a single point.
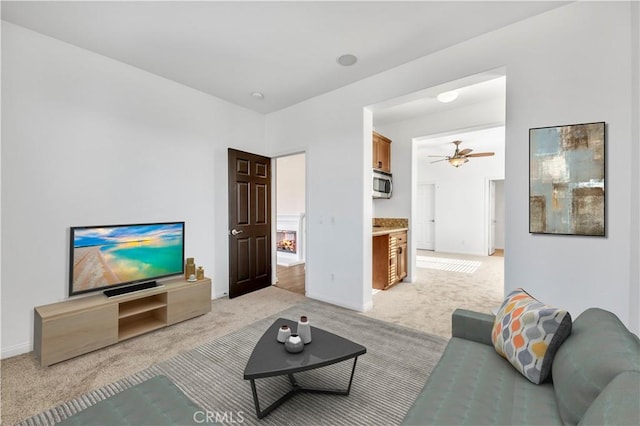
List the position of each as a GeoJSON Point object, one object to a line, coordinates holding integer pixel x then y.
{"type": "Point", "coordinates": [359, 308]}
{"type": "Point", "coordinates": [219, 295]}
{"type": "Point", "coordinates": [14, 350]}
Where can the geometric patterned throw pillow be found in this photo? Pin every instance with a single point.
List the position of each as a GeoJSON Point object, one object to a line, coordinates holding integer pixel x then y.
{"type": "Point", "coordinates": [528, 333]}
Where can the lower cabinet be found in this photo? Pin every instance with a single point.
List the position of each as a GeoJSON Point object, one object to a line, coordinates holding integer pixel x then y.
{"type": "Point", "coordinates": [389, 259]}
{"type": "Point", "coordinates": [75, 334]}
{"type": "Point", "coordinates": [74, 327]}
{"type": "Point", "coordinates": [401, 256]}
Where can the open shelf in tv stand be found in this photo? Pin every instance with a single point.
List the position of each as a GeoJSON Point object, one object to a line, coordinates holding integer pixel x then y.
{"type": "Point", "coordinates": [74, 327]}
{"type": "Point", "coordinates": [142, 315]}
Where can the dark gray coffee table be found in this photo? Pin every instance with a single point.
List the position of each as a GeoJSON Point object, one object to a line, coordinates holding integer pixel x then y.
{"type": "Point", "coordinates": [269, 359]}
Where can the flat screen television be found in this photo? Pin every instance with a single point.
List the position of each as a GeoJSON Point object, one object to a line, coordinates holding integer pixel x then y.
{"type": "Point", "coordinates": [107, 257]}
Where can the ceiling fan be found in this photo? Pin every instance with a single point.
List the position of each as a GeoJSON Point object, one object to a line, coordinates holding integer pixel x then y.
{"type": "Point", "coordinates": [460, 157]}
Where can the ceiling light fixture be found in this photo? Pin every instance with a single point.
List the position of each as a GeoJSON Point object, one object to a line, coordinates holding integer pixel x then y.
{"type": "Point", "coordinates": [347, 60]}
{"type": "Point", "coordinates": [258, 95]}
{"type": "Point", "coordinates": [447, 97]}
{"type": "Point", "coordinates": [457, 161]}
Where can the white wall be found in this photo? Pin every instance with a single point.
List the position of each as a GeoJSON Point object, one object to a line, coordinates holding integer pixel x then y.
{"type": "Point", "coordinates": [90, 141]}
{"type": "Point", "coordinates": [558, 72]}
{"type": "Point", "coordinates": [634, 227]}
{"type": "Point", "coordinates": [290, 198]}
{"type": "Point", "coordinates": [576, 272]}
{"type": "Point", "coordinates": [335, 206]}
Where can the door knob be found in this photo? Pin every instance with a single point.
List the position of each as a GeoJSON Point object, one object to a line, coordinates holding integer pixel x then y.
{"type": "Point", "coordinates": [236, 232]}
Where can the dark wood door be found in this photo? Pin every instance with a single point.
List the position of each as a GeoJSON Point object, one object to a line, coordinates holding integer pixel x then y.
{"type": "Point", "coordinates": [249, 222]}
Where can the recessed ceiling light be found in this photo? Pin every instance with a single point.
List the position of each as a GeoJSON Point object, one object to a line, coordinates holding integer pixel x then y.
{"type": "Point", "coordinates": [447, 97]}
{"type": "Point", "coordinates": [347, 60]}
{"type": "Point", "coordinates": [257, 95]}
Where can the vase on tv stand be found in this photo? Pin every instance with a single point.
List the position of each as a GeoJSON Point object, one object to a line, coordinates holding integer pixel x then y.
{"type": "Point", "coordinates": [190, 268]}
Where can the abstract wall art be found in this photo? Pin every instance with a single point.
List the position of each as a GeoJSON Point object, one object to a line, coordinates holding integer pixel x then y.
{"type": "Point", "coordinates": [567, 179]}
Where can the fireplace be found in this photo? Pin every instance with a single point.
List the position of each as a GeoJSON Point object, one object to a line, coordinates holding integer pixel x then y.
{"type": "Point", "coordinates": [286, 241]}
{"type": "Point", "coordinates": [290, 239]}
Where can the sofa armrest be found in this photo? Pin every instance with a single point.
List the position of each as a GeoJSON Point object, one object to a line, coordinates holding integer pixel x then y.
{"type": "Point", "coordinates": [470, 325]}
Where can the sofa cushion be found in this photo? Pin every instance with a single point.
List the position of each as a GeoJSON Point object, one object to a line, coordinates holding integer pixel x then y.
{"type": "Point", "coordinates": [599, 349]}
{"type": "Point", "coordinates": [617, 404]}
{"type": "Point", "coordinates": [528, 333]}
{"type": "Point", "coordinates": [472, 385]}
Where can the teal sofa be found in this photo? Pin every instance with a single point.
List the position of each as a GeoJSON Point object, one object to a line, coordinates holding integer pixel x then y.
{"type": "Point", "coordinates": [595, 379]}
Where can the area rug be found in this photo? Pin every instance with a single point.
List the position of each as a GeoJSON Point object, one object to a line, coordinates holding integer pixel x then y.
{"type": "Point", "coordinates": [387, 378]}
{"type": "Point", "coordinates": [445, 264]}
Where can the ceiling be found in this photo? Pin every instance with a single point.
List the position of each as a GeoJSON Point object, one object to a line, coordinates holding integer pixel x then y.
{"type": "Point", "coordinates": [285, 50]}
{"type": "Point", "coordinates": [490, 139]}
{"type": "Point", "coordinates": [479, 88]}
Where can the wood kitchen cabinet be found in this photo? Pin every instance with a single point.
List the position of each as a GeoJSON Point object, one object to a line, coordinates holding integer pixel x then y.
{"type": "Point", "coordinates": [381, 152]}
{"type": "Point", "coordinates": [389, 259]}
{"type": "Point", "coordinates": [401, 255]}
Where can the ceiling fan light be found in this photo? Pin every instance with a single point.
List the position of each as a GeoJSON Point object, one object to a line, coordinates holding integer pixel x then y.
{"type": "Point", "coordinates": [446, 97]}
{"type": "Point", "coordinates": [457, 162]}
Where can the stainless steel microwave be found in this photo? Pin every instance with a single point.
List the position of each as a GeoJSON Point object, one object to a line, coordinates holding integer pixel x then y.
{"type": "Point", "coordinates": [382, 184]}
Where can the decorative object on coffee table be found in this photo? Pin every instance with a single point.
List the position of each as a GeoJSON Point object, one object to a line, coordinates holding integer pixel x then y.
{"type": "Point", "coordinates": [304, 329]}
{"type": "Point", "coordinates": [283, 333]}
{"type": "Point", "coordinates": [269, 359]}
{"type": "Point", "coordinates": [294, 344]}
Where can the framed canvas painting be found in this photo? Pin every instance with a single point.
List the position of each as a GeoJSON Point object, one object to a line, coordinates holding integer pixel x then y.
{"type": "Point", "coordinates": [567, 179]}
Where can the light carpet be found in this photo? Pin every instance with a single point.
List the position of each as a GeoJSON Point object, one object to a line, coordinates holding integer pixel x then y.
{"type": "Point", "coordinates": [387, 378]}
{"type": "Point", "coordinates": [446, 264]}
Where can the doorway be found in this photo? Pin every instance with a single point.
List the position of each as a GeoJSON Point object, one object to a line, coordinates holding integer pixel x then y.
{"type": "Point", "coordinates": [290, 238]}
{"type": "Point", "coordinates": [428, 130]}
{"type": "Point", "coordinates": [425, 216]}
{"type": "Point", "coordinates": [496, 225]}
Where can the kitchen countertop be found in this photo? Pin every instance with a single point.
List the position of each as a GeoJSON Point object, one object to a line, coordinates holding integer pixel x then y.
{"type": "Point", "coordinates": [385, 230]}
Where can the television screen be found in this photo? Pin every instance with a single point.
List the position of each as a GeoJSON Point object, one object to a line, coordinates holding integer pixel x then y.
{"type": "Point", "coordinates": [112, 256]}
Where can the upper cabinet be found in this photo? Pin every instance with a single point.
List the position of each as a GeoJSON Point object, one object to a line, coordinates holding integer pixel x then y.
{"type": "Point", "coordinates": [381, 152]}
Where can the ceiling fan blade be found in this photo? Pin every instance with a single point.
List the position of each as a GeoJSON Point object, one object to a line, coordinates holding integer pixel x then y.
{"type": "Point", "coordinates": [437, 161]}
{"type": "Point", "coordinates": [480, 154]}
{"type": "Point", "coordinates": [443, 156]}
{"type": "Point", "coordinates": [465, 151]}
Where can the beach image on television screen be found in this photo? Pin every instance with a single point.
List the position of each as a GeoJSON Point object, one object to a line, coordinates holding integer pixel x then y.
{"type": "Point", "coordinates": [105, 256]}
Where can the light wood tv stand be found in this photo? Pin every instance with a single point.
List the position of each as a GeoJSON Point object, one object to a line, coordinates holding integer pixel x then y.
{"type": "Point", "coordinates": [74, 327]}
